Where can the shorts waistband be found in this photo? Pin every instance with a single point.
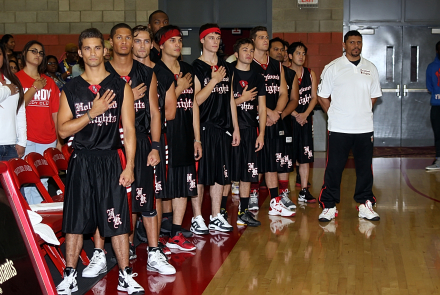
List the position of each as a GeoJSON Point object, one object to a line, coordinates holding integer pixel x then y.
{"type": "Point", "coordinates": [96, 152]}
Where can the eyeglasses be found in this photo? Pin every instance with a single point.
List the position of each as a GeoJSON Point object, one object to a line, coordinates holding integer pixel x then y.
{"type": "Point", "coordinates": [51, 63]}
{"type": "Point", "coordinates": [35, 52]}
{"type": "Point", "coordinates": [72, 52]}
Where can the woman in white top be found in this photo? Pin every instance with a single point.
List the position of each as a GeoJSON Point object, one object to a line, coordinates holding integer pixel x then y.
{"type": "Point", "coordinates": [12, 112]}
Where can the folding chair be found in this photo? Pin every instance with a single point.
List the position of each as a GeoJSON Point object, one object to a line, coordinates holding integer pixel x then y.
{"type": "Point", "coordinates": [58, 162]}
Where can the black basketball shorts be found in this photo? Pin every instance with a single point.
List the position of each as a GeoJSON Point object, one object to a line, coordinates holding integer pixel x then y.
{"type": "Point", "coordinates": [160, 171]}
{"type": "Point", "coordinates": [142, 189]}
{"type": "Point", "coordinates": [93, 195]}
{"type": "Point", "coordinates": [303, 142]}
{"type": "Point", "coordinates": [244, 164]}
{"type": "Point", "coordinates": [182, 181]}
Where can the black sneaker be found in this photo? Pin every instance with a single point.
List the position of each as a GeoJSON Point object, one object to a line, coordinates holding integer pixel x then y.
{"type": "Point", "coordinates": [140, 232]}
{"type": "Point", "coordinates": [132, 251]}
{"type": "Point", "coordinates": [186, 233]}
{"type": "Point", "coordinates": [224, 213]}
{"type": "Point", "coordinates": [166, 225]}
{"type": "Point", "coordinates": [306, 196]}
{"type": "Point", "coordinates": [247, 218]}
{"type": "Point", "coordinates": [68, 284]}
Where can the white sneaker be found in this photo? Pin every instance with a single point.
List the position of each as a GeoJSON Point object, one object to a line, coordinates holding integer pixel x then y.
{"type": "Point", "coordinates": [434, 166]}
{"type": "Point", "coordinates": [277, 208]}
{"type": "Point", "coordinates": [219, 223]}
{"type": "Point", "coordinates": [68, 284]}
{"type": "Point", "coordinates": [97, 265]}
{"type": "Point", "coordinates": [366, 211]}
{"type": "Point", "coordinates": [127, 283]}
{"type": "Point", "coordinates": [158, 262]}
{"type": "Point", "coordinates": [286, 200]}
{"type": "Point", "coordinates": [235, 188]}
{"type": "Point", "coordinates": [328, 214]}
{"type": "Point", "coordinates": [198, 226]}
{"type": "Point", "coordinates": [253, 201]}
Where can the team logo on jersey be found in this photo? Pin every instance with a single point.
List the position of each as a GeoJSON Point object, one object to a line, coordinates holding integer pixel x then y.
{"type": "Point", "coordinates": [157, 185]}
{"type": "Point", "coordinates": [185, 104]}
{"type": "Point", "coordinates": [95, 88]}
{"type": "Point", "coordinates": [140, 196]}
{"type": "Point", "coordinates": [246, 106]}
{"type": "Point", "coordinates": [126, 78]}
{"type": "Point", "coordinates": [116, 217]}
{"type": "Point", "coordinates": [139, 104]}
{"type": "Point", "coordinates": [243, 83]}
{"type": "Point", "coordinates": [438, 77]}
{"type": "Point", "coordinates": [191, 181]}
{"type": "Point", "coordinates": [176, 76]}
{"type": "Point", "coordinates": [252, 169]}
{"type": "Point", "coordinates": [215, 68]}
{"type": "Point", "coordinates": [225, 171]}
{"type": "Point", "coordinates": [283, 160]}
{"type": "Point", "coordinates": [308, 152]}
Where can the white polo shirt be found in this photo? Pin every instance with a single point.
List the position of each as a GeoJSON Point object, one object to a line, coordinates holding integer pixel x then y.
{"type": "Point", "coordinates": [351, 89]}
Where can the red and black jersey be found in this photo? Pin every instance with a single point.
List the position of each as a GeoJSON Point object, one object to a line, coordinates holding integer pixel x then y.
{"type": "Point", "coordinates": [139, 74]}
{"type": "Point", "coordinates": [305, 90]}
{"type": "Point", "coordinates": [180, 131]}
{"type": "Point", "coordinates": [247, 112]}
{"type": "Point", "coordinates": [271, 72]}
{"type": "Point", "coordinates": [165, 80]}
{"type": "Point", "coordinates": [103, 132]}
{"type": "Point", "coordinates": [216, 109]}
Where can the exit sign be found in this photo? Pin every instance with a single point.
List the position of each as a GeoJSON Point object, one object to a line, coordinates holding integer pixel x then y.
{"type": "Point", "coordinates": [307, 4]}
{"type": "Point", "coordinates": [307, 1]}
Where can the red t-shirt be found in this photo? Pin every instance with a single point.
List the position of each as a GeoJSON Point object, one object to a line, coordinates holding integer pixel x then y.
{"type": "Point", "coordinates": [40, 124]}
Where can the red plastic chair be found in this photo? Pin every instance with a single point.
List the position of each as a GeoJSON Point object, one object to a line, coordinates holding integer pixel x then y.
{"type": "Point", "coordinates": [58, 162]}
{"type": "Point", "coordinates": [67, 151]}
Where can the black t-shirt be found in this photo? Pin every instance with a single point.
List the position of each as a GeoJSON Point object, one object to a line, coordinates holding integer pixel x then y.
{"type": "Point", "coordinates": [139, 74]}
{"type": "Point", "coordinates": [289, 76]}
{"type": "Point", "coordinates": [180, 131]}
{"type": "Point", "coordinates": [247, 112]}
{"type": "Point", "coordinates": [165, 80]}
{"type": "Point", "coordinates": [305, 91]}
{"type": "Point", "coordinates": [103, 132]}
{"type": "Point", "coordinates": [216, 109]}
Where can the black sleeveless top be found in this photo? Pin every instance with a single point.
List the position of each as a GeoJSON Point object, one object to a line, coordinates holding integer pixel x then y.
{"type": "Point", "coordinates": [103, 132]}
{"type": "Point", "coordinates": [154, 55]}
{"type": "Point", "coordinates": [247, 111]}
{"type": "Point", "coordinates": [139, 74]}
{"type": "Point", "coordinates": [215, 111]}
{"type": "Point", "coordinates": [180, 131]}
{"type": "Point", "coordinates": [305, 91]}
{"type": "Point", "coordinates": [289, 76]}
{"type": "Point", "coordinates": [165, 80]}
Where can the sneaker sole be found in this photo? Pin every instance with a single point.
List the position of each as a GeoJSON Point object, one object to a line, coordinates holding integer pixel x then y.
{"type": "Point", "coordinates": [204, 232]}
{"type": "Point", "coordinates": [276, 213]}
{"type": "Point", "coordinates": [325, 219]}
{"type": "Point", "coordinates": [305, 200]}
{"type": "Point", "coordinates": [75, 289]}
{"type": "Point", "coordinates": [175, 246]}
{"type": "Point", "coordinates": [214, 227]}
{"type": "Point", "coordinates": [149, 268]}
{"type": "Point", "coordinates": [253, 208]}
{"type": "Point", "coordinates": [126, 290]}
{"type": "Point", "coordinates": [372, 219]}
{"type": "Point", "coordinates": [104, 270]}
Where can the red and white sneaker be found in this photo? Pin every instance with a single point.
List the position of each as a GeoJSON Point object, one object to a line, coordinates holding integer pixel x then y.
{"type": "Point", "coordinates": [163, 245]}
{"type": "Point", "coordinates": [277, 208]}
{"type": "Point", "coordinates": [366, 211]}
{"type": "Point", "coordinates": [181, 243]}
{"type": "Point", "coordinates": [328, 214]}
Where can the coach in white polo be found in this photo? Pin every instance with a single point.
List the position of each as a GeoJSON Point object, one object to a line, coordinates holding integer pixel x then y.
{"type": "Point", "coordinates": [352, 82]}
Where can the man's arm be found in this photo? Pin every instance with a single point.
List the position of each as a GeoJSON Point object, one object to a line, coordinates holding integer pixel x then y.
{"type": "Point", "coordinates": [54, 118]}
{"type": "Point", "coordinates": [236, 134]}
{"type": "Point", "coordinates": [373, 100]}
{"type": "Point", "coordinates": [262, 115]}
{"type": "Point", "coordinates": [324, 102]}
{"type": "Point", "coordinates": [183, 83]}
{"type": "Point", "coordinates": [429, 80]}
{"type": "Point", "coordinates": [127, 117]}
{"type": "Point", "coordinates": [201, 94]}
{"type": "Point", "coordinates": [155, 124]}
{"type": "Point", "coordinates": [283, 98]}
{"type": "Point", "coordinates": [196, 125]}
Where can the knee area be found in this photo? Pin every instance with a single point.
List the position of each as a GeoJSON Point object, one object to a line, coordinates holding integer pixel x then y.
{"type": "Point", "coordinates": [151, 213]}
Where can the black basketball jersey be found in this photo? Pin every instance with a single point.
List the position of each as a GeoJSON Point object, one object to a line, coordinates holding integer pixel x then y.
{"type": "Point", "coordinates": [272, 75]}
{"type": "Point", "coordinates": [165, 80]}
{"type": "Point", "coordinates": [139, 74]}
{"type": "Point", "coordinates": [305, 91]}
{"type": "Point", "coordinates": [216, 109]}
{"type": "Point", "coordinates": [180, 131]}
{"type": "Point", "coordinates": [247, 112]}
{"type": "Point", "coordinates": [103, 132]}
{"type": "Point", "coordinates": [289, 76]}
{"type": "Point", "coordinates": [154, 55]}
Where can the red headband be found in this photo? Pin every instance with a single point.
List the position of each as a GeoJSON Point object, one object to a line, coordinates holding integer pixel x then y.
{"type": "Point", "coordinates": [168, 35]}
{"type": "Point", "coordinates": [209, 31]}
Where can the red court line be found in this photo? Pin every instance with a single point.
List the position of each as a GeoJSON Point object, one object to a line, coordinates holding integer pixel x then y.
{"type": "Point", "coordinates": [408, 182]}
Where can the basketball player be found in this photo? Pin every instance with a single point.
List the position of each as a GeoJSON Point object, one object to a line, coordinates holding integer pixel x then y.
{"type": "Point", "coordinates": [272, 157]}
{"type": "Point", "coordinates": [249, 92]}
{"type": "Point", "coordinates": [353, 84]}
{"type": "Point", "coordinates": [91, 108]}
{"type": "Point", "coordinates": [219, 128]}
{"type": "Point", "coordinates": [156, 20]}
{"type": "Point", "coordinates": [302, 123]}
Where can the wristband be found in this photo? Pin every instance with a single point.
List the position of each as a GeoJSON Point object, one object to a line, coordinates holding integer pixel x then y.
{"type": "Point", "coordinates": [155, 145]}
{"type": "Point", "coordinates": [195, 140]}
{"type": "Point", "coordinates": [36, 89]}
{"type": "Point", "coordinates": [88, 115]}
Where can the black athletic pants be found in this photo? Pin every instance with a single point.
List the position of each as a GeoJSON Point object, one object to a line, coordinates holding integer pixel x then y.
{"type": "Point", "coordinates": [435, 122]}
{"type": "Point", "coordinates": [339, 146]}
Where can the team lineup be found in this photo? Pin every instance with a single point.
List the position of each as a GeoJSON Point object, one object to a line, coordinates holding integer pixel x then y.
{"type": "Point", "coordinates": [181, 128]}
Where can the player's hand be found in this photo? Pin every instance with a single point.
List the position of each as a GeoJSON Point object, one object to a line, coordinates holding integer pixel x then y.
{"type": "Point", "coordinates": [218, 75]}
{"type": "Point", "coordinates": [273, 115]}
{"type": "Point", "coordinates": [39, 83]}
{"type": "Point", "coordinates": [259, 143]}
{"type": "Point", "coordinates": [20, 150]}
{"type": "Point", "coordinates": [249, 94]}
{"type": "Point", "coordinates": [197, 150]}
{"type": "Point", "coordinates": [153, 158]}
{"type": "Point", "coordinates": [301, 118]}
{"type": "Point", "coordinates": [236, 137]}
{"type": "Point", "coordinates": [127, 177]}
{"type": "Point", "coordinates": [184, 82]}
{"type": "Point", "coordinates": [139, 91]}
{"type": "Point", "coordinates": [269, 122]}
{"type": "Point", "coordinates": [102, 104]}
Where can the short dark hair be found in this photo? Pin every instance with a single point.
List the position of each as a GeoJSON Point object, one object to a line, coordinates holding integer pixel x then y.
{"type": "Point", "coordinates": [276, 39]}
{"type": "Point", "coordinates": [154, 12]}
{"type": "Point", "coordinates": [241, 42]}
{"type": "Point", "coordinates": [142, 28]}
{"type": "Point", "coordinates": [292, 47]}
{"type": "Point", "coordinates": [42, 66]}
{"type": "Point", "coordinates": [437, 46]}
{"type": "Point", "coordinates": [51, 56]}
{"type": "Point", "coordinates": [5, 38]}
{"type": "Point", "coordinates": [90, 33]}
{"type": "Point", "coordinates": [207, 26]}
{"type": "Point", "coordinates": [120, 26]}
{"type": "Point", "coordinates": [351, 33]}
{"type": "Point", "coordinates": [254, 31]}
{"type": "Point", "coordinates": [162, 31]}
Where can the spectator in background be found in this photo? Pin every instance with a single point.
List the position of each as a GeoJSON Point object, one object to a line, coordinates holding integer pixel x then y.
{"type": "Point", "coordinates": [13, 66]}
{"type": "Point", "coordinates": [20, 61]}
{"type": "Point", "coordinates": [52, 71]}
{"type": "Point", "coordinates": [286, 61]}
{"type": "Point", "coordinates": [9, 42]}
{"type": "Point", "coordinates": [66, 64]}
{"type": "Point", "coordinates": [42, 99]}
{"type": "Point", "coordinates": [109, 55]}
{"type": "Point", "coordinates": [78, 69]}
{"type": "Point", "coordinates": [12, 112]}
